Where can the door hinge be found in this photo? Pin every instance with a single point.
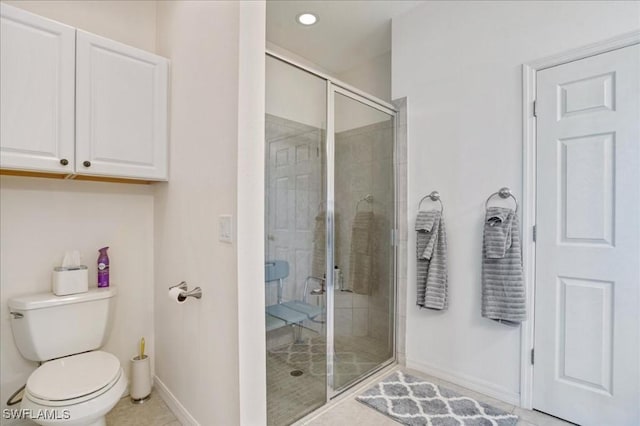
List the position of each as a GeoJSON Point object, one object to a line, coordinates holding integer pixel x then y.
{"type": "Point", "coordinates": [532, 356]}
{"type": "Point", "coordinates": [535, 110]}
{"type": "Point", "coordinates": [535, 233]}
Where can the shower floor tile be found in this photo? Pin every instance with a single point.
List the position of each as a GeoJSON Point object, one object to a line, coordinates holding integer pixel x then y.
{"type": "Point", "coordinates": [290, 397]}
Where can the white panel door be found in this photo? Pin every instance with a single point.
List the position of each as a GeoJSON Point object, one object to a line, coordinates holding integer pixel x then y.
{"type": "Point", "coordinates": [587, 325]}
{"type": "Point", "coordinates": [37, 78]}
{"type": "Point", "coordinates": [294, 197]}
{"type": "Point", "coordinates": [121, 98]}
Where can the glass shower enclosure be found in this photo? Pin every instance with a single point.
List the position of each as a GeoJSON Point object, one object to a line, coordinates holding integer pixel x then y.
{"type": "Point", "coordinates": [330, 249]}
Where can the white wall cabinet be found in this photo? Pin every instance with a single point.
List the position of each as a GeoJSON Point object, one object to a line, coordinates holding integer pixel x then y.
{"type": "Point", "coordinates": [77, 103]}
{"type": "Point", "coordinates": [121, 110]}
{"type": "Point", "coordinates": [37, 86]}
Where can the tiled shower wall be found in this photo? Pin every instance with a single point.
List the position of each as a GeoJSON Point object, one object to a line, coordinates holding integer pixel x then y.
{"type": "Point", "coordinates": [403, 231]}
{"type": "Point", "coordinates": [364, 160]}
{"type": "Point", "coordinates": [364, 166]}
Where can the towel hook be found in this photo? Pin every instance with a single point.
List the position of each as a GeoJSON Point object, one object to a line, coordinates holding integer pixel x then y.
{"type": "Point", "coordinates": [368, 198]}
{"type": "Point", "coordinates": [434, 196]}
{"type": "Point", "coordinates": [503, 193]}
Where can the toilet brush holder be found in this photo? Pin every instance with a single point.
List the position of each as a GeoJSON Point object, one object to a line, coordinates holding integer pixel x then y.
{"type": "Point", "coordinates": [140, 389]}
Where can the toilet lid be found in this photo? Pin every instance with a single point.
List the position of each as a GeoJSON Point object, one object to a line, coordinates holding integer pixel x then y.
{"type": "Point", "coordinates": [74, 376]}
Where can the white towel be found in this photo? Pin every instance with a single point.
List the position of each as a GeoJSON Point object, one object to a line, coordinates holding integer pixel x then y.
{"type": "Point", "coordinates": [503, 290]}
{"type": "Point", "coordinates": [432, 273]}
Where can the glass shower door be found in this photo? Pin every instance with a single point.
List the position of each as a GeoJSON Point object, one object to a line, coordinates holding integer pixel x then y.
{"type": "Point", "coordinates": [364, 251]}
{"type": "Point", "coordinates": [295, 242]}
{"type": "Point", "coordinates": [330, 253]}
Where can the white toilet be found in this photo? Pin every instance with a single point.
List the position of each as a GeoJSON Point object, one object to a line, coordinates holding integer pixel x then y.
{"type": "Point", "coordinates": [76, 384]}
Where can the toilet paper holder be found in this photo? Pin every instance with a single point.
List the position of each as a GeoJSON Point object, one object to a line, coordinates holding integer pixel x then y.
{"type": "Point", "coordinates": [196, 292]}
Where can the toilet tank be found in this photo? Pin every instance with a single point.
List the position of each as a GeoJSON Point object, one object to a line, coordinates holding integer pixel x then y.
{"type": "Point", "coordinates": [46, 326]}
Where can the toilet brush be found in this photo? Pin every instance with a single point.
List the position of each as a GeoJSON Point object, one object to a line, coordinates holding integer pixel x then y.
{"type": "Point", "coordinates": [140, 387]}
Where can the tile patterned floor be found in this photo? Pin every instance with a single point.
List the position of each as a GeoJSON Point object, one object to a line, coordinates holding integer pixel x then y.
{"type": "Point", "coordinates": [153, 412]}
{"type": "Point", "coordinates": [291, 397]}
{"type": "Point", "coordinates": [349, 412]}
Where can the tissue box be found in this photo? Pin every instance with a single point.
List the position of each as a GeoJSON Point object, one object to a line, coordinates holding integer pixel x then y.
{"type": "Point", "coordinates": [70, 280]}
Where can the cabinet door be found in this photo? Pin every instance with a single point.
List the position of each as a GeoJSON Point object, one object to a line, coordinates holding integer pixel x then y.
{"type": "Point", "coordinates": [121, 110]}
{"type": "Point", "coordinates": [37, 65]}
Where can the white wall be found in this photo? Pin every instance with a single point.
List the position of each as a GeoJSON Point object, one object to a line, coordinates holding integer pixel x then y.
{"type": "Point", "coordinates": [299, 96]}
{"type": "Point", "coordinates": [373, 76]}
{"type": "Point", "coordinates": [250, 199]}
{"type": "Point", "coordinates": [132, 22]}
{"type": "Point", "coordinates": [295, 95]}
{"type": "Point", "coordinates": [197, 342]}
{"type": "Point", "coordinates": [459, 64]}
{"type": "Point", "coordinates": [42, 218]}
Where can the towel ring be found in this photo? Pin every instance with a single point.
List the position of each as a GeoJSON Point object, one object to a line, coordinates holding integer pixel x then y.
{"type": "Point", "coordinates": [434, 196]}
{"type": "Point", "coordinates": [368, 198]}
{"type": "Point", "coordinates": [503, 193]}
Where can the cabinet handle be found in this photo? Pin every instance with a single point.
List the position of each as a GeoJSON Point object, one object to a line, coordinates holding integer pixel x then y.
{"type": "Point", "coordinates": [64, 161]}
{"type": "Point", "coordinates": [87, 164]}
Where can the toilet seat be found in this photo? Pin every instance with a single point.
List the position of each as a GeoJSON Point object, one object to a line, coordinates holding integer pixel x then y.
{"type": "Point", "coordinates": [87, 410]}
{"type": "Point", "coordinates": [74, 379]}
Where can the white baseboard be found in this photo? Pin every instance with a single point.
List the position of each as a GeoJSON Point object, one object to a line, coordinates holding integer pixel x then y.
{"type": "Point", "coordinates": [469, 382]}
{"type": "Point", "coordinates": [174, 405]}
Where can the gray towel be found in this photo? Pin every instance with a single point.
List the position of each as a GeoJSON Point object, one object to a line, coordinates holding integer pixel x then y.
{"type": "Point", "coordinates": [319, 262]}
{"type": "Point", "coordinates": [433, 288]}
{"type": "Point", "coordinates": [503, 291]}
{"type": "Point", "coordinates": [361, 254]}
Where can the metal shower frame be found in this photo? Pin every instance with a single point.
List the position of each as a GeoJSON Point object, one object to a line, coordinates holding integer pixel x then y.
{"type": "Point", "coordinates": [336, 86]}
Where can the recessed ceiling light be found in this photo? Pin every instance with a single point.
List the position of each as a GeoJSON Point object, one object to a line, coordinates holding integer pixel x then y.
{"type": "Point", "coordinates": [307, 18]}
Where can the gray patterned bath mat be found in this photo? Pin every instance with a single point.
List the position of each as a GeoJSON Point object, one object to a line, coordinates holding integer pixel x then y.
{"type": "Point", "coordinates": [413, 401]}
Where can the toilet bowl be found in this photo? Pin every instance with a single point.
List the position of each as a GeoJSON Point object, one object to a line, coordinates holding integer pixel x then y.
{"type": "Point", "coordinates": [76, 384]}
{"type": "Point", "coordinates": [75, 390]}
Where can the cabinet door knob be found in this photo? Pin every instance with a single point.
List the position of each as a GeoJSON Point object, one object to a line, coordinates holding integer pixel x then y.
{"type": "Point", "coordinates": [64, 161]}
{"type": "Point", "coordinates": [87, 164]}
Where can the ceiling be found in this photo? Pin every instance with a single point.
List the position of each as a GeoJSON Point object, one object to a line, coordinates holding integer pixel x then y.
{"type": "Point", "coordinates": [347, 34]}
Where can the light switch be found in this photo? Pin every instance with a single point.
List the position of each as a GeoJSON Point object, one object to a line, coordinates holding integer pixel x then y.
{"type": "Point", "coordinates": [225, 224]}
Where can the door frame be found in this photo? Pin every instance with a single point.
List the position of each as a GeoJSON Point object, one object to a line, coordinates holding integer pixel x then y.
{"type": "Point", "coordinates": [333, 88]}
{"type": "Point", "coordinates": [529, 165]}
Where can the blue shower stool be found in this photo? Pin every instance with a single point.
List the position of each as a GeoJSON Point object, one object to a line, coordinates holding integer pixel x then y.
{"type": "Point", "coordinates": [292, 312]}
